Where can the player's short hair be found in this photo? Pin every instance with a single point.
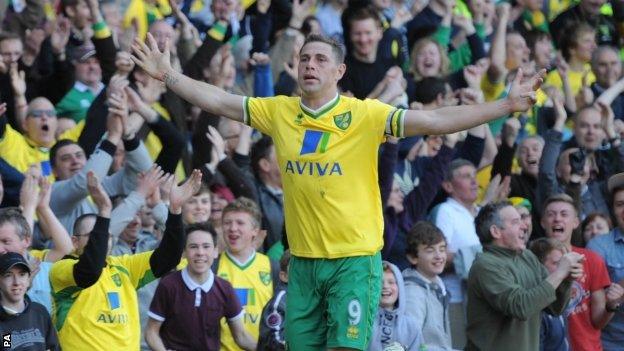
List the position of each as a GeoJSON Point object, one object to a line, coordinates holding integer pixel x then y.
{"type": "Point", "coordinates": [13, 216]}
{"type": "Point", "coordinates": [422, 233]}
{"type": "Point", "coordinates": [559, 198]}
{"type": "Point", "coordinates": [542, 247]}
{"type": "Point", "coordinates": [284, 261]}
{"type": "Point", "coordinates": [56, 147]}
{"type": "Point", "coordinates": [488, 216]}
{"type": "Point", "coordinates": [246, 205]}
{"type": "Point", "coordinates": [337, 48]}
{"type": "Point", "coordinates": [201, 227]}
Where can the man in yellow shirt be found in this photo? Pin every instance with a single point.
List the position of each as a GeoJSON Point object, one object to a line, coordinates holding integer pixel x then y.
{"type": "Point", "coordinates": [95, 299]}
{"type": "Point", "coordinates": [326, 147]}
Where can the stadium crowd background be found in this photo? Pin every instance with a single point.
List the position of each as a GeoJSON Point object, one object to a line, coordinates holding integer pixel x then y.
{"type": "Point", "coordinates": [84, 131]}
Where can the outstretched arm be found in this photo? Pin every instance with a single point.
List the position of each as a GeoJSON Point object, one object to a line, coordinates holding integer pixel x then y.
{"type": "Point", "coordinates": [456, 118]}
{"type": "Point", "coordinates": [208, 97]}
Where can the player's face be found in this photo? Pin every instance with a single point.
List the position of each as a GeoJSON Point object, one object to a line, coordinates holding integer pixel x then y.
{"type": "Point", "coordinates": [431, 259]}
{"type": "Point", "coordinates": [239, 231]}
{"type": "Point", "coordinates": [197, 209]}
{"type": "Point", "coordinates": [11, 242]}
{"type": "Point", "coordinates": [200, 251]}
{"type": "Point", "coordinates": [552, 260]}
{"type": "Point", "coordinates": [389, 291]}
{"type": "Point", "coordinates": [318, 68]}
{"type": "Point", "coordinates": [14, 283]}
{"type": "Point", "coordinates": [529, 156]}
{"type": "Point", "coordinates": [559, 220]}
{"type": "Point", "coordinates": [513, 231]}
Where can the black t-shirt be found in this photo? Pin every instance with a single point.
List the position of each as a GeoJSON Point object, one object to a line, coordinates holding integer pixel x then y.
{"type": "Point", "coordinates": [361, 77]}
{"type": "Point", "coordinates": [30, 330]}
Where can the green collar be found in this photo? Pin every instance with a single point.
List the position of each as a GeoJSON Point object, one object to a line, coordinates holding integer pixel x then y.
{"type": "Point", "coordinates": [321, 110]}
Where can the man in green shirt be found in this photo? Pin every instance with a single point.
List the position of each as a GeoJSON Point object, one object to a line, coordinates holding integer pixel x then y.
{"type": "Point", "coordinates": [508, 287]}
{"type": "Point", "coordinates": [88, 85]}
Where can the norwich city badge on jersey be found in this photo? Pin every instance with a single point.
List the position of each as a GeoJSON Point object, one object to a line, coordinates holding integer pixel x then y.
{"type": "Point", "coordinates": [116, 279]}
{"type": "Point", "coordinates": [265, 277]}
{"type": "Point", "coordinates": [343, 121]}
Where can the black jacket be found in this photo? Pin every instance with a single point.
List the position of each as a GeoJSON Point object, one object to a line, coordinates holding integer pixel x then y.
{"type": "Point", "coordinates": [30, 330]}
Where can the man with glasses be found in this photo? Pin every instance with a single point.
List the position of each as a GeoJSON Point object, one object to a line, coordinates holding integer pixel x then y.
{"type": "Point", "coordinates": [32, 147]}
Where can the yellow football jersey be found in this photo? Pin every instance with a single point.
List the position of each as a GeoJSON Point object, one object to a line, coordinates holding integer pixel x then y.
{"type": "Point", "coordinates": [575, 78]}
{"type": "Point", "coordinates": [254, 287]}
{"type": "Point", "coordinates": [20, 152]}
{"type": "Point", "coordinates": [39, 254]}
{"type": "Point", "coordinates": [104, 316]}
{"type": "Point", "coordinates": [328, 161]}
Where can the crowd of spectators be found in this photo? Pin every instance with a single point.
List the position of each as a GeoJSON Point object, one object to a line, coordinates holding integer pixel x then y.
{"type": "Point", "coordinates": [130, 218]}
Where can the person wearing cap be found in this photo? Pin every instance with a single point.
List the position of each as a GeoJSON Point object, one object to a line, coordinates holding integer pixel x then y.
{"type": "Point", "coordinates": [88, 85]}
{"type": "Point", "coordinates": [27, 322]}
{"type": "Point", "coordinates": [524, 208]}
{"type": "Point", "coordinates": [15, 236]}
{"type": "Point", "coordinates": [611, 248]}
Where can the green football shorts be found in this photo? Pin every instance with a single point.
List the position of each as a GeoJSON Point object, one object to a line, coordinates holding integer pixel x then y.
{"type": "Point", "coordinates": [332, 302]}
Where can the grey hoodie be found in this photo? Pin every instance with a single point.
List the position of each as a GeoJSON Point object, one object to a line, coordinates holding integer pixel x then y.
{"type": "Point", "coordinates": [396, 325]}
{"type": "Point", "coordinates": [429, 308]}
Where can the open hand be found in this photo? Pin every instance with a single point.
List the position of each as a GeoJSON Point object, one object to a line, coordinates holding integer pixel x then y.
{"type": "Point", "coordinates": [151, 59]}
{"type": "Point", "coordinates": [522, 94]}
{"type": "Point", "coordinates": [179, 194]}
{"type": "Point", "coordinates": [99, 195]}
{"type": "Point", "coordinates": [148, 182]}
